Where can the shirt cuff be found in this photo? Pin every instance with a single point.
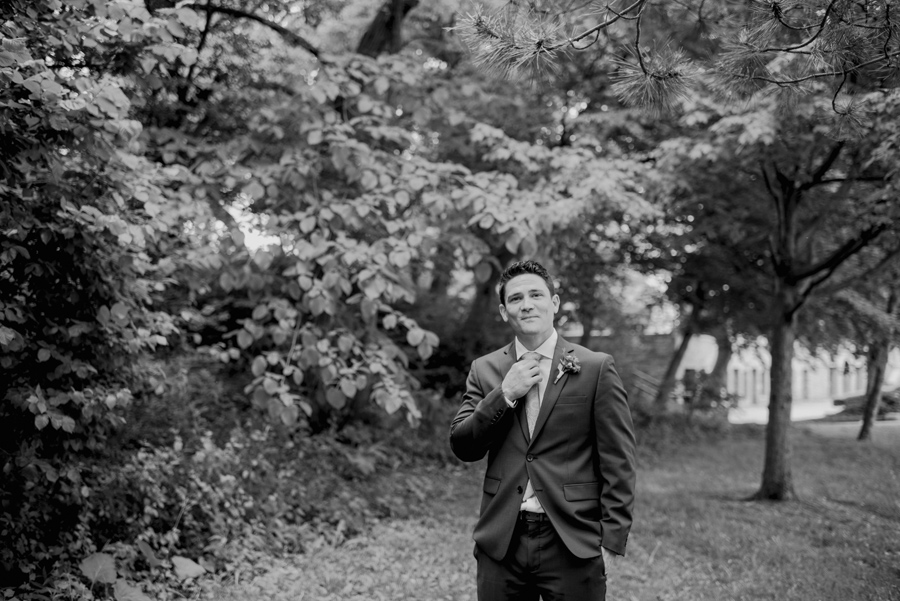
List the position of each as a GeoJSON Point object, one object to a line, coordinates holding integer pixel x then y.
{"type": "Point", "coordinates": [511, 404]}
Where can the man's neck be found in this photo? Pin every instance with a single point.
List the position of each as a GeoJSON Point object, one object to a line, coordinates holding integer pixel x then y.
{"type": "Point", "coordinates": [531, 343]}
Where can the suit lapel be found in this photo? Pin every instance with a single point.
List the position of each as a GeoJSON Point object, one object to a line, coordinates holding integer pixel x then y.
{"type": "Point", "coordinates": [551, 394]}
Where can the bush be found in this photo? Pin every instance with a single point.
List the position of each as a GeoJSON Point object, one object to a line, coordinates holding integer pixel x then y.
{"type": "Point", "coordinates": [657, 430]}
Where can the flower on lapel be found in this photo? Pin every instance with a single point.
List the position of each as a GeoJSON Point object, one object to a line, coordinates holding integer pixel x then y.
{"type": "Point", "coordinates": [568, 364]}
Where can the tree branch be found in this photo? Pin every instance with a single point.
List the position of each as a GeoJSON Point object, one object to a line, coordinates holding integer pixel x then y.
{"type": "Point", "coordinates": [863, 275]}
{"type": "Point", "coordinates": [788, 82]}
{"type": "Point", "coordinates": [820, 26]}
{"type": "Point", "coordinates": [605, 24]}
{"type": "Point", "coordinates": [835, 259]}
{"type": "Point", "coordinates": [827, 163]}
{"type": "Point", "coordinates": [290, 37]}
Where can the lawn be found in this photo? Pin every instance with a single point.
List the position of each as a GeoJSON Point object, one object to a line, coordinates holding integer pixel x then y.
{"type": "Point", "coordinates": [694, 538]}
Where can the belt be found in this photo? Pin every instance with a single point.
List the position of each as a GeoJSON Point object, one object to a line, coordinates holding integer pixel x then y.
{"type": "Point", "coordinates": [531, 516]}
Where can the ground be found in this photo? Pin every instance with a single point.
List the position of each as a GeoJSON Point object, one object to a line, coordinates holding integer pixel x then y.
{"type": "Point", "coordinates": [695, 538]}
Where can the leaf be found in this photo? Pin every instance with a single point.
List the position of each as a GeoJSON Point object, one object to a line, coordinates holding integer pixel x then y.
{"type": "Point", "coordinates": [263, 259]}
{"type": "Point", "coordinates": [369, 180]}
{"type": "Point", "coordinates": [258, 367]}
{"type": "Point", "coordinates": [119, 312]}
{"type": "Point", "coordinates": [335, 398]}
{"type": "Point", "coordinates": [308, 224]}
{"type": "Point", "coordinates": [186, 568]}
{"type": "Point", "coordinates": [400, 258]}
{"type": "Point", "coordinates": [123, 591]}
{"type": "Point", "coordinates": [6, 335]}
{"type": "Point", "coordinates": [348, 387]}
{"type": "Point", "coordinates": [175, 28]}
{"type": "Point", "coordinates": [483, 272]}
{"type": "Point", "coordinates": [369, 309]}
{"type": "Point", "coordinates": [270, 385]}
{"type": "Point", "coordinates": [290, 415]}
{"type": "Point", "coordinates": [415, 336]}
{"type": "Point", "coordinates": [390, 402]}
{"type": "Point", "coordinates": [260, 312]}
{"type": "Point", "coordinates": [381, 85]}
{"type": "Point", "coordinates": [345, 343]}
{"type": "Point", "coordinates": [244, 339]}
{"type": "Point", "coordinates": [148, 554]}
{"type": "Point", "coordinates": [254, 190]}
{"type": "Point", "coordinates": [99, 567]}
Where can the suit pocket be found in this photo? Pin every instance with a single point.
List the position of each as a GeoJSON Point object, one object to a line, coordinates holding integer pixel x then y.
{"type": "Point", "coordinates": [571, 400]}
{"type": "Point", "coordinates": [491, 485]}
{"type": "Point", "coordinates": [589, 491]}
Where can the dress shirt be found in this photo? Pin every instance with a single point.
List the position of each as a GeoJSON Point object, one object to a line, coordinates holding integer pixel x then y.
{"type": "Point", "coordinates": [546, 351]}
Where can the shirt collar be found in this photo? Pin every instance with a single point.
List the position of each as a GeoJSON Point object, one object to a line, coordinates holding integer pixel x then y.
{"type": "Point", "coordinates": [546, 349]}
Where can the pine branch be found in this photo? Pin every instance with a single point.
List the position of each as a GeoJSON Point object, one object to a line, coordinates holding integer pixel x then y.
{"type": "Point", "coordinates": [656, 83]}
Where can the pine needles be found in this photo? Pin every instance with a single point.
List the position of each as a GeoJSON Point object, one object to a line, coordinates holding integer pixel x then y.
{"type": "Point", "coordinates": [787, 48]}
{"type": "Point", "coordinates": [511, 46]}
{"type": "Point", "coordinates": [655, 82]}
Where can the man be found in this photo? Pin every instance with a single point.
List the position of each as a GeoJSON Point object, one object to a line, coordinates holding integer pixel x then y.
{"type": "Point", "coordinates": [559, 484]}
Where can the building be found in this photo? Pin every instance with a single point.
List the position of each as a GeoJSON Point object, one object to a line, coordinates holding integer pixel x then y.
{"type": "Point", "coordinates": [818, 378]}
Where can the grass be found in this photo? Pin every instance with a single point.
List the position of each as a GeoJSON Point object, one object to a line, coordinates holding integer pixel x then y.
{"type": "Point", "coordinates": [694, 538]}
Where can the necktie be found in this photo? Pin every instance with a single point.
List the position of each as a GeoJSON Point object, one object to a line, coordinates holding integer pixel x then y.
{"type": "Point", "coordinates": [533, 396]}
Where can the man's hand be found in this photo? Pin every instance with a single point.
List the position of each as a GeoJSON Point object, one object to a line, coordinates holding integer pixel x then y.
{"type": "Point", "coordinates": [609, 558]}
{"type": "Point", "coordinates": [520, 378]}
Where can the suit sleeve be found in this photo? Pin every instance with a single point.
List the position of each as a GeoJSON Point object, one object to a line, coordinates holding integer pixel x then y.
{"type": "Point", "coordinates": [615, 455]}
{"type": "Point", "coordinates": [483, 418]}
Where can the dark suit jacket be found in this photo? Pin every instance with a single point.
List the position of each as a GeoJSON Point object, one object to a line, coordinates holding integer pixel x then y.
{"type": "Point", "coordinates": [580, 459]}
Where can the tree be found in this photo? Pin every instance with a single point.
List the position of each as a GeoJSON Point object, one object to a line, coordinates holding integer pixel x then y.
{"type": "Point", "coordinates": [806, 204]}
{"type": "Point", "coordinates": [861, 314]}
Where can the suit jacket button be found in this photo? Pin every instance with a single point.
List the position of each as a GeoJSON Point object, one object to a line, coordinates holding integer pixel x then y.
{"type": "Point", "coordinates": [529, 457]}
{"type": "Point", "coordinates": [519, 490]}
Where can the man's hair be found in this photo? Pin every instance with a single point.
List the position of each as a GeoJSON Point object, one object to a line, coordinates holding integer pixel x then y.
{"type": "Point", "coordinates": [523, 268]}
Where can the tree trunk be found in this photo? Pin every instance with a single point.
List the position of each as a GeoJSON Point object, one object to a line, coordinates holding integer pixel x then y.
{"type": "Point", "coordinates": [383, 33]}
{"type": "Point", "coordinates": [483, 327]}
{"type": "Point", "coordinates": [777, 480]}
{"type": "Point", "coordinates": [716, 385]}
{"type": "Point", "coordinates": [876, 365]}
{"type": "Point", "coordinates": [588, 325]}
{"type": "Point", "coordinates": [876, 362]}
{"type": "Point", "coordinates": [667, 384]}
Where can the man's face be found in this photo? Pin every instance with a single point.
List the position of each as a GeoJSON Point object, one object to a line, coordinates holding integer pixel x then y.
{"type": "Point", "coordinates": [529, 308]}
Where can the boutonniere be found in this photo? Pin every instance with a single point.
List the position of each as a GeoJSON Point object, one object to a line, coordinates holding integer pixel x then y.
{"type": "Point", "coordinates": [568, 364]}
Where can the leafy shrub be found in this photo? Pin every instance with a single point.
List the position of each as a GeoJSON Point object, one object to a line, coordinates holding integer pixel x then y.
{"type": "Point", "coordinates": [655, 430]}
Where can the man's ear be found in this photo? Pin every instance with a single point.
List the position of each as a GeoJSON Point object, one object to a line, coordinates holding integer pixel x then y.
{"type": "Point", "coordinates": [555, 304]}
{"type": "Point", "coordinates": [503, 313]}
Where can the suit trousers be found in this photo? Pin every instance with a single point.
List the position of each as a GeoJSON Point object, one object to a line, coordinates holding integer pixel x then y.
{"type": "Point", "coordinates": [538, 565]}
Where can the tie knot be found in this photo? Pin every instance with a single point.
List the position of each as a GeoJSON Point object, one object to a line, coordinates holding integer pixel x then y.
{"type": "Point", "coordinates": [531, 355]}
